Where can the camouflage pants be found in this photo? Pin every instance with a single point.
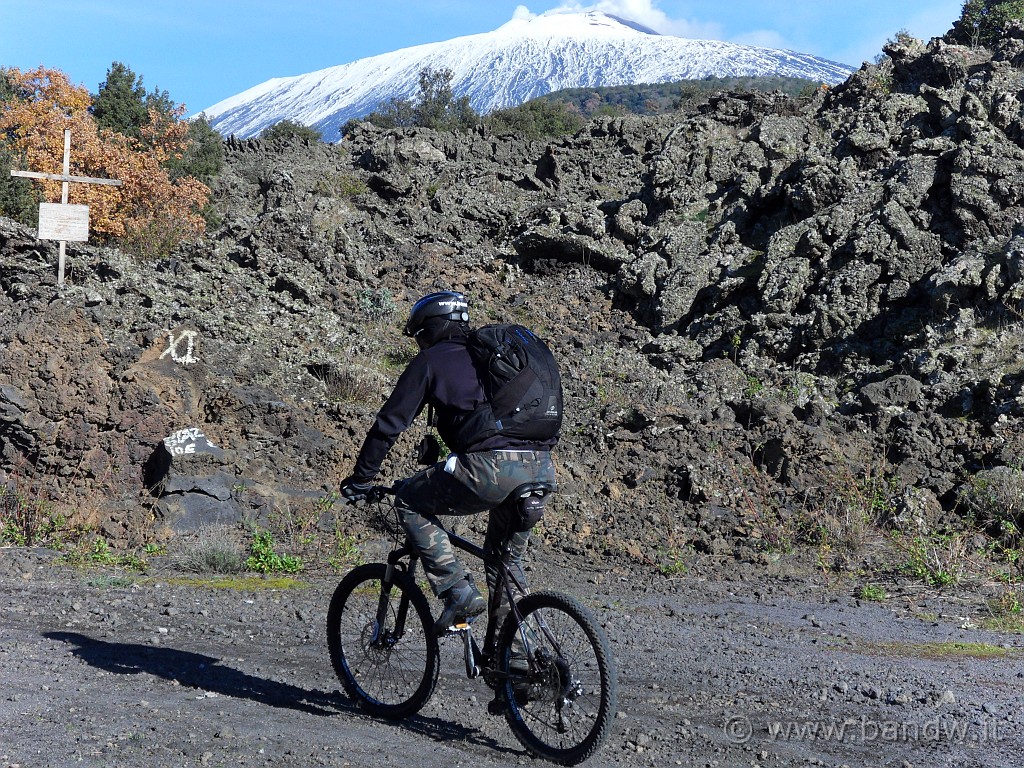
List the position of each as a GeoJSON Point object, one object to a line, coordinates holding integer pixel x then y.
{"type": "Point", "coordinates": [467, 484]}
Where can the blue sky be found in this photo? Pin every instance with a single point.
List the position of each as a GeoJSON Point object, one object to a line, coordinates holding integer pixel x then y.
{"type": "Point", "coordinates": [203, 51]}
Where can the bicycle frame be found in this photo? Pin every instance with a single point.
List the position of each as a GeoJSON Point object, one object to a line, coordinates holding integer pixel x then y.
{"type": "Point", "coordinates": [507, 582]}
{"type": "Point", "coordinates": [545, 656]}
{"type": "Point", "coordinates": [405, 557]}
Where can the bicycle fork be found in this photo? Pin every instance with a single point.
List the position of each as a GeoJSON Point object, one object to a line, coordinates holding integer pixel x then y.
{"type": "Point", "coordinates": [382, 636]}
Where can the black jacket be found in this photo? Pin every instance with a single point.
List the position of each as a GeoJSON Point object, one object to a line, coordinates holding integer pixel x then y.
{"type": "Point", "coordinates": [443, 376]}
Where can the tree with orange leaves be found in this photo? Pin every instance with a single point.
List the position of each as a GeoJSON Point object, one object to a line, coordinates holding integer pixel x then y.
{"type": "Point", "coordinates": [149, 213]}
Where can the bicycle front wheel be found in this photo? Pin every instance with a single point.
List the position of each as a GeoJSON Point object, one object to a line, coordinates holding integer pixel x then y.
{"type": "Point", "coordinates": [381, 640]}
{"type": "Point", "coordinates": [559, 678]}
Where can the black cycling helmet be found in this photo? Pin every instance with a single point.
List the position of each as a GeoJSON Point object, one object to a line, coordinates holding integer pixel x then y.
{"type": "Point", "coordinates": [448, 305]}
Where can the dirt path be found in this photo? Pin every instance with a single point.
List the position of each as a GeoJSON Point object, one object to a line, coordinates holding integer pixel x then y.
{"type": "Point", "coordinates": [140, 671]}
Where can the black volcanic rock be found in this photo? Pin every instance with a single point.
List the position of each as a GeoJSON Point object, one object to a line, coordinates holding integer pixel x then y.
{"type": "Point", "coordinates": [758, 304]}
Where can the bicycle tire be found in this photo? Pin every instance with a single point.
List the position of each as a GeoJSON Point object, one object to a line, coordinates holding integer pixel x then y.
{"type": "Point", "coordinates": [562, 713]}
{"type": "Point", "coordinates": [394, 675]}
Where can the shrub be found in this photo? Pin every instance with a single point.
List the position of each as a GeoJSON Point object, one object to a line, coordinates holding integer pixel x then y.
{"type": "Point", "coordinates": [19, 200]}
{"type": "Point", "coordinates": [376, 304]}
{"type": "Point", "coordinates": [212, 550]}
{"type": "Point", "coordinates": [27, 522]}
{"type": "Point", "coordinates": [346, 552]}
{"type": "Point", "coordinates": [289, 130]}
{"type": "Point", "coordinates": [264, 559]}
{"type": "Point", "coordinates": [937, 559]}
{"type": "Point", "coordinates": [1006, 612]}
{"type": "Point", "coordinates": [342, 185]}
{"type": "Point", "coordinates": [97, 552]}
{"type": "Point", "coordinates": [33, 120]}
{"type": "Point", "coordinates": [349, 382]}
{"type": "Point", "coordinates": [981, 22]}
{"type": "Point", "coordinates": [436, 107]}
{"type": "Point", "coordinates": [535, 120]}
{"type": "Point", "coordinates": [203, 159]}
{"type": "Point", "coordinates": [994, 499]}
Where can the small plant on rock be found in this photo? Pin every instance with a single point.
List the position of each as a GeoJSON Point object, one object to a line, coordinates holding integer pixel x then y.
{"type": "Point", "coordinates": [348, 382]}
{"type": "Point", "coordinates": [264, 559]}
{"type": "Point", "coordinates": [26, 522]}
{"type": "Point", "coordinates": [937, 559]}
{"type": "Point", "coordinates": [1006, 612]}
{"type": "Point", "coordinates": [340, 185]}
{"type": "Point", "coordinates": [994, 499]}
{"type": "Point", "coordinates": [346, 553]}
{"type": "Point", "coordinates": [872, 592]}
{"type": "Point", "coordinates": [672, 564]}
{"type": "Point", "coordinates": [377, 305]}
{"type": "Point", "coordinates": [97, 552]}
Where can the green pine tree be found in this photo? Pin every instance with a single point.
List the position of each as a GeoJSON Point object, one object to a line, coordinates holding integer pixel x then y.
{"type": "Point", "coordinates": [6, 88]}
{"type": "Point", "coordinates": [120, 103]}
{"type": "Point", "coordinates": [159, 101]}
{"type": "Point", "coordinates": [436, 106]}
{"type": "Point", "coordinates": [394, 113]}
{"type": "Point", "coordinates": [204, 157]}
{"type": "Point", "coordinates": [19, 199]}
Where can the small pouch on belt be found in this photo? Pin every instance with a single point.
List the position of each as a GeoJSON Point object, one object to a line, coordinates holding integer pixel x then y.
{"type": "Point", "coordinates": [428, 450]}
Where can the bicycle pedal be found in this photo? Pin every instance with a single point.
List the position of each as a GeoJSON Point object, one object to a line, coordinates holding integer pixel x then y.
{"type": "Point", "coordinates": [453, 629]}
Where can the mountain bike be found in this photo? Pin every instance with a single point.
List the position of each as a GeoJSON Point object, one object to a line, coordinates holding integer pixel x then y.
{"type": "Point", "coordinates": [548, 662]}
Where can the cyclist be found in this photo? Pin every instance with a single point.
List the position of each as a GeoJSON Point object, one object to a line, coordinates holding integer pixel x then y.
{"type": "Point", "coordinates": [477, 476]}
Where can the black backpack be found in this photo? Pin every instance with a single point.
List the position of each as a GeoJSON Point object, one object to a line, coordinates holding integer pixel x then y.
{"type": "Point", "coordinates": [521, 383]}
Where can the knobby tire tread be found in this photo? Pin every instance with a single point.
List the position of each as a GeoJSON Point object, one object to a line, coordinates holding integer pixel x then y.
{"type": "Point", "coordinates": [369, 578]}
{"type": "Point", "coordinates": [575, 754]}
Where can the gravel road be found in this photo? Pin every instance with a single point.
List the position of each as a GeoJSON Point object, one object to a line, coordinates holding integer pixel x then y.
{"type": "Point", "coordinates": [113, 669]}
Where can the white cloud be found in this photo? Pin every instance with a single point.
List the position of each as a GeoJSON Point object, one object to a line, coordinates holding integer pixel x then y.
{"type": "Point", "coordinates": [645, 12]}
{"type": "Point", "coordinates": [522, 13]}
{"type": "Point", "coordinates": [642, 11]}
{"type": "Point", "coordinates": [825, 29]}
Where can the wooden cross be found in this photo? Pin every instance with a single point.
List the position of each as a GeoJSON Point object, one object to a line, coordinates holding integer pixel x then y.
{"type": "Point", "coordinates": [62, 221]}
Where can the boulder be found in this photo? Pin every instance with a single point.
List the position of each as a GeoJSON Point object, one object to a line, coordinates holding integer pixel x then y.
{"type": "Point", "coordinates": [193, 482]}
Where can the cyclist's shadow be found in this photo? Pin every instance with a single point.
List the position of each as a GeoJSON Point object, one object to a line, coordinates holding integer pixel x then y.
{"type": "Point", "coordinates": [207, 673]}
{"type": "Point", "coordinates": [195, 670]}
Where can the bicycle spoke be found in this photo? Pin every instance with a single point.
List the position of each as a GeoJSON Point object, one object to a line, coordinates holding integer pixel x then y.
{"type": "Point", "coordinates": [552, 669]}
{"type": "Point", "coordinates": [388, 672]}
{"type": "Point", "coordinates": [561, 709]}
{"type": "Point", "coordinates": [393, 675]}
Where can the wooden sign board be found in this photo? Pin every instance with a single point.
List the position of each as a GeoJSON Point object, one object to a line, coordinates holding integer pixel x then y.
{"type": "Point", "coordinates": [59, 221]}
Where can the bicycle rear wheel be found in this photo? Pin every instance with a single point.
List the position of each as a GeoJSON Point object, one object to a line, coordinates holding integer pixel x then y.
{"type": "Point", "coordinates": [562, 707]}
{"type": "Point", "coordinates": [381, 640]}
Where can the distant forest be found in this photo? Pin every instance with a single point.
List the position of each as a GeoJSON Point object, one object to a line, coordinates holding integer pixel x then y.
{"type": "Point", "coordinates": [665, 97]}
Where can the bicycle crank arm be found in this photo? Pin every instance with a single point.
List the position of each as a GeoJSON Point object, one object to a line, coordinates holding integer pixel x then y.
{"type": "Point", "coordinates": [471, 652]}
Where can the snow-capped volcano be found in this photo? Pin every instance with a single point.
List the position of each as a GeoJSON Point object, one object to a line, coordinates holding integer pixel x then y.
{"type": "Point", "coordinates": [523, 59]}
